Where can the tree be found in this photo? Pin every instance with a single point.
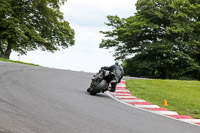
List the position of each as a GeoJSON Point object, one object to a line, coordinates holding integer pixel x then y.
{"type": "Point", "coordinates": [163, 38]}
{"type": "Point", "coordinates": [27, 25]}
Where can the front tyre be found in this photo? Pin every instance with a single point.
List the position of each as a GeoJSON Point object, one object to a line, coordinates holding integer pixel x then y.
{"type": "Point", "coordinates": [88, 90]}
{"type": "Point", "coordinates": [98, 88]}
{"type": "Point", "coordinates": [93, 92]}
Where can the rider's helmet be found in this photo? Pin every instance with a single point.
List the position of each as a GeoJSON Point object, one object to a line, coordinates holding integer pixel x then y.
{"type": "Point", "coordinates": [118, 62]}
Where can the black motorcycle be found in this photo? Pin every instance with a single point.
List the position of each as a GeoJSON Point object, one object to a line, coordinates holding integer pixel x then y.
{"type": "Point", "coordinates": [101, 81]}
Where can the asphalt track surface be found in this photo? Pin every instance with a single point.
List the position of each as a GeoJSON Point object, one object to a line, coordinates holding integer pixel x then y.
{"type": "Point", "coordinates": [43, 100]}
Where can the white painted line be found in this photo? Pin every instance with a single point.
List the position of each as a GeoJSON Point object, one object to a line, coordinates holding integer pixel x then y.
{"type": "Point", "coordinates": [122, 91]}
{"type": "Point", "coordinates": [196, 120]}
{"type": "Point", "coordinates": [191, 120]}
{"type": "Point", "coordinates": [125, 96]}
{"type": "Point", "coordinates": [124, 100]}
{"type": "Point", "coordinates": [165, 112]}
{"type": "Point", "coordinates": [147, 106]}
{"type": "Point", "coordinates": [121, 85]}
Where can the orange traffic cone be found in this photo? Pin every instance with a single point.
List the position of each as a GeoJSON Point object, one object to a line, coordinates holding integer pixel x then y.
{"type": "Point", "coordinates": [165, 102]}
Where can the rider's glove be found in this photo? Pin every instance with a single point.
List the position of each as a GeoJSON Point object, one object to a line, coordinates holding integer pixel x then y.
{"type": "Point", "coordinates": [107, 73]}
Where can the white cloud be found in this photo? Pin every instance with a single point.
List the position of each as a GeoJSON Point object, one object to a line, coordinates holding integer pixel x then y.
{"type": "Point", "coordinates": [84, 56]}
{"type": "Point", "coordinates": [94, 12]}
{"type": "Point", "coordinates": [87, 18]}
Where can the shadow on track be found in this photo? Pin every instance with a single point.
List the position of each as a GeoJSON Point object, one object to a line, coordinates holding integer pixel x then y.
{"type": "Point", "coordinates": [103, 95]}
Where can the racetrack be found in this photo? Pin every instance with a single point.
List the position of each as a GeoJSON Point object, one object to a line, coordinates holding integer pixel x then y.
{"type": "Point", "coordinates": [43, 100]}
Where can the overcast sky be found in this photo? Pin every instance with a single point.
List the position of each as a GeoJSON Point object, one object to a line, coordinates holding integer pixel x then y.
{"type": "Point", "coordinates": [87, 18]}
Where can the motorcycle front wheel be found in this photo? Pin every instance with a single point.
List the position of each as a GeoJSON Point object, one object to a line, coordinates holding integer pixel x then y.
{"type": "Point", "coordinates": [101, 86]}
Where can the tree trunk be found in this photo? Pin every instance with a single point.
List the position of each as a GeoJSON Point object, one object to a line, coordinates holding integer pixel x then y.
{"type": "Point", "coordinates": [9, 49]}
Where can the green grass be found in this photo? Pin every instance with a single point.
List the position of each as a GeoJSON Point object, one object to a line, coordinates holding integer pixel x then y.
{"type": "Point", "coordinates": [6, 60]}
{"type": "Point", "coordinates": [182, 96]}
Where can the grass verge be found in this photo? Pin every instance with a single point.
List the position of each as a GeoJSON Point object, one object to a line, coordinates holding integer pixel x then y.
{"type": "Point", "coordinates": [6, 60]}
{"type": "Point", "coordinates": [182, 96]}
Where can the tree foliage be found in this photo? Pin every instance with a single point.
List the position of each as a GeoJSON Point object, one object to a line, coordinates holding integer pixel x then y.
{"type": "Point", "coordinates": [27, 25]}
{"type": "Point", "coordinates": [163, 38]}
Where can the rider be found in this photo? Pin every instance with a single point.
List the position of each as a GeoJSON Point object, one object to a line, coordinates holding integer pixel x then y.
{"type": "Point", "coordinates": [118, 70]}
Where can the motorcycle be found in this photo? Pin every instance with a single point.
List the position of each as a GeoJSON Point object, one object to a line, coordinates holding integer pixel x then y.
{"type": "Point", "coordinates": [100, 82]}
